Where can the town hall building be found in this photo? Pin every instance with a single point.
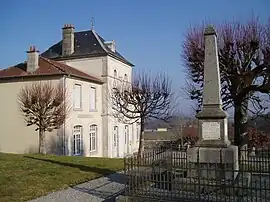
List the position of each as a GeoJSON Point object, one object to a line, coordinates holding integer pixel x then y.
{"type": "Point", "coordinates": [87, 65]}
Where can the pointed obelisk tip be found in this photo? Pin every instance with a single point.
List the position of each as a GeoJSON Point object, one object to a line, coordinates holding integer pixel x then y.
{"type": "Point", "coordinates": [210, 30]}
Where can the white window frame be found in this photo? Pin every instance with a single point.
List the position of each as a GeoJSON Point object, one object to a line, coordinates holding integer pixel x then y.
{"type": "Point", "coordinates": [126, 128]}
{"type": "Point", "coordinates": [93, 130]}
{"type": "Point", "coordinates": [125, 78]}
{"type": "Point", "coordinates": [74, 105]}
{"type": "Point", "coordinates": [115, 133]}
{"type": "Point", "coordinates": [95, 99]}
{"type": "Point", "coordinates": [115, 73]}
{"type": "Point", "coordinates": [77, 135]}
{"type": "Point", "coordinates": [125, 133]}
{"type": "Point", "coordinates": [138, 130]}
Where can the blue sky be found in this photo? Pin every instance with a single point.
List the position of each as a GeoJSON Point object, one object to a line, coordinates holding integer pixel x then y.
{"type": "Point", "coordinates": [148, 32]}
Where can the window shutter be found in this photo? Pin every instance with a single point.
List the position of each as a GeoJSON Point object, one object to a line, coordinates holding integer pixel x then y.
{"type": "Point", "coordinates": [77, 96]}
{"type": "Point", "coordinates": [92, 98]}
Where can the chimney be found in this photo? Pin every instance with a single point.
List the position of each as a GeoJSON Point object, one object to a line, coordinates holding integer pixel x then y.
{"type": "Point", "coordinates": [32, 59]}
{"type": "Point", "coordinates": [68, 40]}
{"type": "Point", "coordinates": [111, 45]}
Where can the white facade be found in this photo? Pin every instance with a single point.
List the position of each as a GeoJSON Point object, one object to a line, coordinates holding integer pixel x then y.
{"type": "Point", "coordinates": [90, 129]}
{"type": "Point", "coordinates": [84, 116]}
{"type": "Point", "coordinates": [114, 138]}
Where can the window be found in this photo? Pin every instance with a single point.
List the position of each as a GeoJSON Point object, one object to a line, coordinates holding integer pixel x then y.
{"type": "Point", "coordinates": [77, 140]}
{"type": "Point", "coordinates": [93, 137]}
{"type": "Point", "coordinates": [125, 78]}
{"type": "Point", "coordinates": [126, 134]}
{"type": "Point", "coordinates": [138, 131]}
{"type": "Point", "coordinates": [115, 73]}
{"type": "Point", "coordinates": [77, 96]}
{"type": "Point", "coordinates": [115, 133]}
{"type": "Point", "coordinates": [92, 99]}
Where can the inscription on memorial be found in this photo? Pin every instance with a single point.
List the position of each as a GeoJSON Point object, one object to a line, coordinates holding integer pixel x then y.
{"type": "Point", "coordinates": [211, 130]}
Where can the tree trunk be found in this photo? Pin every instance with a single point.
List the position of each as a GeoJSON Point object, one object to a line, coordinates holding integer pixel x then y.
{"type": "Point", "coordinates": [240, 123]}
{"type": "Point", "coordinates": [141, 142]}
{"type": "Point", "coordinates": [237, 124]}
{"type": "Point", "coordinates": [42, 142]}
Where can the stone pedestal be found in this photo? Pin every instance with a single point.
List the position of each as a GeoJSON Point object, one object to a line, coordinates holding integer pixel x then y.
{"type": "Point", "coordinates": [212, 127]}
{"type": "Point", "coordinates": [213, 163]}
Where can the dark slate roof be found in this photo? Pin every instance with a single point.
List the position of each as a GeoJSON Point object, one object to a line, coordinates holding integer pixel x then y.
{"type": "Point", "coordinates": [87, 43]}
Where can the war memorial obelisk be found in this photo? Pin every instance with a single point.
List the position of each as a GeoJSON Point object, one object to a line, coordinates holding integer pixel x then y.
{"type": "Point", "coordinates": [213, 149]}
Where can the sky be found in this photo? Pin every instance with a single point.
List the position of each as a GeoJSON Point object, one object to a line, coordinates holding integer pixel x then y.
{"type": "Point", "coordinates": [149, 33]}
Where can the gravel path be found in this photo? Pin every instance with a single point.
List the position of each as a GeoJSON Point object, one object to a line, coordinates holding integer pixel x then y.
{"type": "Point", "coordinates": [101, 189]}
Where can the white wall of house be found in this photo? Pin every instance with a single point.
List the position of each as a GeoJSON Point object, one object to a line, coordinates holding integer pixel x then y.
{"type": "Point", "coordinates": [15, 136]}
{"type": "Point", "coordinates": [104, 68]}
{"type": "Point", "coordinates": [86, 116]}
{"type": "Point", "coordinates": [122, 141]}
{"type": "Point", "coordinates": [120, 67]}
{"type": "Point", "coordinates": [95, 66]}
{"type": "Point", "coordinates": [119, 71]}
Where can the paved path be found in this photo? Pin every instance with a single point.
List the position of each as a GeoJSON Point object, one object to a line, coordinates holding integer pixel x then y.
{"type": "Point", "coordinates": [101, 189]}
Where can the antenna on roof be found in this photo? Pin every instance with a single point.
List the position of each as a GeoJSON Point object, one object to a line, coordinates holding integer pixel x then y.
{"type": "Point", "coordinates": [92, 23]}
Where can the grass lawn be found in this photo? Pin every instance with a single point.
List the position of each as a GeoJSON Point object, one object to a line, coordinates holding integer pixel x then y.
{"type": "Point", "coordinates": [25, 177]}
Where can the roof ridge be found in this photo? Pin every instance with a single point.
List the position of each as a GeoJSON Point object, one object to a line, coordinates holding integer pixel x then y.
{"type": "Point", "coordinates": [87, 30]}
{"type": "Point", "coordinates": [99, 41]}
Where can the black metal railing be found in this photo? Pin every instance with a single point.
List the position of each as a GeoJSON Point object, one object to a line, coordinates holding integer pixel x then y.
{"type": "Point", "coordinates": [165, 174]}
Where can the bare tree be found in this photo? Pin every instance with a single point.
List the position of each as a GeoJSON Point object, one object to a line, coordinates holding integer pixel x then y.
{"type": "Point", "coordinates": [184, 129]}
{"type": "Point", "coordinates": [258, 138]}
{"type": "Point", "coordinates": [45, 106]}
{"type": "Point", "coordinates": [145, 98]}
{"type": "Point", "coordinates": [176, 125]}
{"type": "Point", "coordinates": [244, 60]}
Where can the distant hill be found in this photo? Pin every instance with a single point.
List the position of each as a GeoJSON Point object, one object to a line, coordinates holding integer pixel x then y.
{"type": "Point", "coordinates": [174, 121]}
{"type": "Point", "coordinates": [261, 123]}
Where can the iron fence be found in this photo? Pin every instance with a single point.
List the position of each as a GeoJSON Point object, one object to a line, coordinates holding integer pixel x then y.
{"type": "Point", "coordinates": [165, 174]}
